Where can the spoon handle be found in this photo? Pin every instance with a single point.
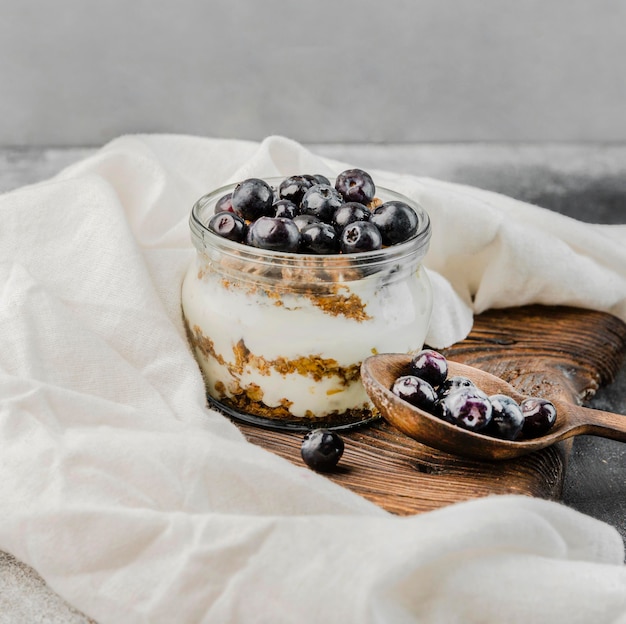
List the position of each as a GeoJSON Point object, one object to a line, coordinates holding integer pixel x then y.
{"type": "Point", "coordinates": [599, 423]}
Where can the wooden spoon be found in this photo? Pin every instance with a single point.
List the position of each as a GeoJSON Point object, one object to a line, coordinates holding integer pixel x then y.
{"type": "Point", "coordinates": [378, 373]}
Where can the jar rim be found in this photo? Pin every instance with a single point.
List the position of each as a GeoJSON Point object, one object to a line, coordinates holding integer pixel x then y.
{"type": "Point", "coordinates": [203, 237]}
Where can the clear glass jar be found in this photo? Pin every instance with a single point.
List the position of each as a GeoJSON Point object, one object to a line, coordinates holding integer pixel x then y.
{"type": "Point", "coordinates": [280, 337]}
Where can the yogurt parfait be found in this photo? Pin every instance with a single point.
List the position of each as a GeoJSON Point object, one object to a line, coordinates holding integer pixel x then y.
{"type": "Point", "coordinates": [295, 282]}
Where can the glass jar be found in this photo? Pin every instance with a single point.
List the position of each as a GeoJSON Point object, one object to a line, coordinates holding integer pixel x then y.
{"type": "Point", "coordinates": [280, 337]}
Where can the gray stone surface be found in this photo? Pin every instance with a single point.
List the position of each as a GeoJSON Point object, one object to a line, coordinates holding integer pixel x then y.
{"type": "Point", "coordinates": [584, 181]}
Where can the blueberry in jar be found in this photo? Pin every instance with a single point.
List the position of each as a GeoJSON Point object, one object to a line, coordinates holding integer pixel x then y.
{"type": "Point", "coordinates": [539, 416]}
{"type": "Point", "coordinates": [294, 187]}
{"type": "Point", "coordinates": [319, 238]}
{"type": "Point", "coordinates": [507, 419]}
{"type": "Point", "coordinates": [356, 185]}
{"type": "Point", "coordinates": [452, 384]}
{"type": "Point", "coordinates": [349, 213]}
{"type": "Point", "coordinates": [302, 220]}
{"type": "Point", "coordinates": [321, 201]}
{"type": "Point", "coordinates": [274, 233]}
{"type": "Point", "coordinates": [360, 236]}
{"type": "Point", "coordinates": [228, 225]}
{"type": "Point", "coordinates": [468, 408]}
{"type": "Point", "coordinates": [285, 208]}
{"type": "Point", "coordinates": [224, 204]}
{"type": "Point", "coordinates": [415, 391]}
{"type": "Point", "coordinates": [322, 449]}
{"type": "Point", "coordinates": [253, 198]}
{"type": "Point", "coordinates": [429, 365]}
{"type": "Point", "coordinates": [396, 221]}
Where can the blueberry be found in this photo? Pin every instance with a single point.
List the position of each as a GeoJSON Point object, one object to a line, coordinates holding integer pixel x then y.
{"type": "Point", "coordinates": [285, 208]}
{"type": "Point", "coordinates": [415, 391]}
{"type": "Point", "coordinates": [320, 179]}
{"type": "Point", "coordinates": [294, 187]}
{"type": "Point", "coordinates": [356, 185]}
{"type": "Point", "coordinates": [228, 225]}
{"type": "Point", "coordinates": [539, 416]}
{"type": "Point", "coordinates": [253, 198]}
{"type": "Point", "coordinates": [319, 238]}
{"type": "Point", "coordinates": [321, 201]}
{"type": "Point", "coordinates": [452, 384]}
{"type": "Point", "coordinates": [274, 233]}
{"type": "Point", "coordinates": [302, 220]}
{"type": "Point", "coordinates": [507, 418]}
{"type": "Point", "coordinates": [349, 213]}
{"type": "Point", "coordinates": [360, 236]}
{"type": "Point", "coordinates": [396, 221]}
{"type": "Point", "coordinates": [321, 449]}
{"type": "Point", "coordinates": [224, 204]}
{"type": "Point", "coordinates": [429, 365]}
{"type": "Point", "coordinates": [468, 408]}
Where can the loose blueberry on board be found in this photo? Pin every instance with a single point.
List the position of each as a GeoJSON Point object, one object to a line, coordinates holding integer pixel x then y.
{"type": "Point", "coordinates": [507, 419]}
{"type": "Point", "coordinates": [321, 201]}
{"type": "Point", "coordinates": [319, 238]}
{"type": "Point", "coordinates": [415, 391]}
{"type": "Point", "coordinates": [451, 384]}
{"type": "Point", "coordinates": [356, 185]}
{"type": "Point", "coordinates": [468, 408]}
{"type": "Point", "coordinates": [429, 365]}
{"type": "Point", "coordinates": [285, 208]}
{"type": "Point", "coordinates": [274, 233]}
{"type": "Point", "coordinates": [349, 213]}
{"type": "Point", "coordinates": [396, 221]}
{"type": "Point", "coordinates": [294, 187]}
{"type": "Point", "coordinates": [360, 236]}
{"type": "Point", "coordinates": [253, 198]}
{"type": "Point", "coordinates": [228, 225]}
{"type": "Point", "coordinates": [322, 449]}
{"type": "Point", "coordinates": [539, 416]}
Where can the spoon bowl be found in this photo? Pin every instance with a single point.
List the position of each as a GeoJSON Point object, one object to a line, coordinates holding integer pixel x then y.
{"type": "Point", "coordinates": [378, 373]}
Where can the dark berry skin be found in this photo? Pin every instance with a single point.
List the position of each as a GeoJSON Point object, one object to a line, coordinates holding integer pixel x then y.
{"type": "Point", "coordinates": [294, 187]}
{"type": "Point", "coordinates": [429, 365]}
{"type": "Point", "coordinates": [302, 220]}
{"type": "Point", "coordinates": [253, 198]}
{"type": "Point", "coordinates": [356, 185]}
{"type": "Point", "coordinates": [360, 236]}
{"type": "Point", "coordinates": [349, 213]}
{"type": "Point", "coordinates": [321, 449]}
{"type": "Point", "coordinates": [285, 208]}
{"type": "Point", "coordinates": [319, 238]}
{"type": "Point", "coordinates": [452, 384]}
{"type": "Point", "coordinates": [468, 408]}
{"type": "Point", "coordinates": [224, 204]}
{"type": "Point", "coordinates": [320, 179]}
{"type": "Point", "coordinates": [228, 225]}
{"type": "Point", "coordinates": [415, 391]}
{"type": "Point", "coordinates": [396, 221]}
{"type": "Point", "coordinates": [539, 416]}
{"type": "Point", "coordinates": [274, 233]}
{"type": "Point", "coordinates": [321, 201]}
{"type": "Point", "coordinates": [507, 419]}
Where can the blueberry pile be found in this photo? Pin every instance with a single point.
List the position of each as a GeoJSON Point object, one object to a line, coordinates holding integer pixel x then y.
{"type": "Point", "coordinates": [307, 214]}
{"type": "Point", "coordinates": [457, 400]}
{"type": "Point", "coordinates": [321, 449]}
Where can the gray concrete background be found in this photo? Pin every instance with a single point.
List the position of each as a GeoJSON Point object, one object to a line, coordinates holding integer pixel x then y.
{"type": "Point", "coordinates": [80, 72]}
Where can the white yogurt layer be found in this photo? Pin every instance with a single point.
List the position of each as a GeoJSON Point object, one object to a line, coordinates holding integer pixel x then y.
{"type": "Point", "coordinates": [290, 327]}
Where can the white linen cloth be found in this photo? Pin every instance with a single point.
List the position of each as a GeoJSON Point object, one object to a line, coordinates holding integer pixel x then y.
{"type": "Point", "coordinates": [136, 503]}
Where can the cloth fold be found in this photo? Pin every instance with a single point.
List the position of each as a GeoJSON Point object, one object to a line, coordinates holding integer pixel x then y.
{"type": "Point", "coordinates": [137, 503]}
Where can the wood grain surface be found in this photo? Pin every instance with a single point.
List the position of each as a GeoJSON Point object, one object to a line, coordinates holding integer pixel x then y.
{"type": "Point", "coordinates": [541, 350]}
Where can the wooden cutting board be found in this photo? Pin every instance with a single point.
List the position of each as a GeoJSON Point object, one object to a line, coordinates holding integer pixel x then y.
{"type": "Point", "coordinates": [542, 351]}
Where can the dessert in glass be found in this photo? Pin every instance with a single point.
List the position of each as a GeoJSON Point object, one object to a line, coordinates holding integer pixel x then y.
{"type": "Point", "coordinates": [282, 310]}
